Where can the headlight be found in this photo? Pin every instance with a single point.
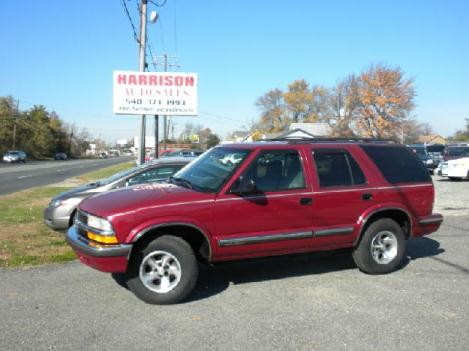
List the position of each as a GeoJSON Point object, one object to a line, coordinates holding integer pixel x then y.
{"type": "Point", "coordinates": [429, 162]}
{"type": "Point", "coordinates": [55, 203]}
{"type": "Point", "coordinates": [99, 223]}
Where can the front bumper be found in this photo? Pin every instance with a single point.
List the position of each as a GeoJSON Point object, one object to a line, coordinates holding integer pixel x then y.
{"type": "Point", "coordinates": [105, 258]}
{"type": "Point", "coordinates": [56, 218]}
{"type": "Point", "coordinates": [454, 172]}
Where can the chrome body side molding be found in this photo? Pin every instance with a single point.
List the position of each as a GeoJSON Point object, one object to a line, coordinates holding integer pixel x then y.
{"type": "Point", "coordinates": [334, 231]}
{"type": "Point", "coordinates": [264, 238]}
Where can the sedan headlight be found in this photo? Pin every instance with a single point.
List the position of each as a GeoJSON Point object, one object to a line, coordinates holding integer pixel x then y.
{"type": "Point", "coordinates": [429, 162]}
{"type": "Point", "coordinates": [99, 223]}
{"type": "Point", "coordinates": [55, 203]}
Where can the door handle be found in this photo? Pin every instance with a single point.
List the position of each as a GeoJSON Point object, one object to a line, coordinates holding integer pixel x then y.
{"type": "Point", "coordinates": [367, 196]}
{"type": "Point", "coordinates": [306, 201]}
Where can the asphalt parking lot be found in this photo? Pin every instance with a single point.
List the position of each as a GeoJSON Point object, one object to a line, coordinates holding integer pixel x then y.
{"type": "Point", "coordinates": [300, 302]}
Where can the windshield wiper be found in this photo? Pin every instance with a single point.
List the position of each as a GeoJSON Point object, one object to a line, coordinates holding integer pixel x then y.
{"type": "Point", "coordinates": [180, 181]}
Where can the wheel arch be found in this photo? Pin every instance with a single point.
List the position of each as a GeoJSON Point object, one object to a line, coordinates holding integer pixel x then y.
{"type": "Point", "coordinates": [192, 234]}
{"type": "Point", "coordinates": [398, 214]}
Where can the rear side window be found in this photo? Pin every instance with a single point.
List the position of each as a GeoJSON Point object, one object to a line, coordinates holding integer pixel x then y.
{"type": "Point", "coordinates": [337, 168]}
{"type": "Point", "coordinates": [397, 164]}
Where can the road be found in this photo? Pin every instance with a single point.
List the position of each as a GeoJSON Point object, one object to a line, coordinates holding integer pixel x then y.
{"type": "Point", "coordinates": [15, 177]}
{"type": "Point", "coordinates": [301, 302]}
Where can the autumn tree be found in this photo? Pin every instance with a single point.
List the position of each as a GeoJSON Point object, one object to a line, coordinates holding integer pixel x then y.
{"type": "Point", "coordinates": [375, 103]}
{"type": "Point", "coordinates": [343, 101]}
{"type": "Point", "coordinates": [298, 100]}
{"type": "Point", "coordinates": [410, 130]}
{"type": "Point", "coordinates": [385, 99]}
{"type": "Point", "coordinates": [212, 140]}
{"type": "Point", "coordinates": [462, 135]}
{"type": "Point", "coordinates": [274, 116]}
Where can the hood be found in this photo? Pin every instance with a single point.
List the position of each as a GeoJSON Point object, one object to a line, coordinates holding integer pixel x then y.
{"type": "Point", "coordinates": [82, 190]}
{"type": "Point", "coordinates": [140, 197]}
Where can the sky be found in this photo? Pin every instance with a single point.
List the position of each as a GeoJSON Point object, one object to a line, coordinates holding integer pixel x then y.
{"type": "Point", "coordinates": [61, 54]}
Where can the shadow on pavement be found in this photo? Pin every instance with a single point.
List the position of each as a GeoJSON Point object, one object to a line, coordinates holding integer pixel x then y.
{"type": "Point", "coordinates": [422, 247]}
{"type": "Point", "coordinates": [214, 279]}
{"type": "Point", "coordinates": [120, 279]}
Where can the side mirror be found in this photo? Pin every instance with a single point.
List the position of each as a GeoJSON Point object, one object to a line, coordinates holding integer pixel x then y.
{"type": "Point", "coordinates": [243, 186]}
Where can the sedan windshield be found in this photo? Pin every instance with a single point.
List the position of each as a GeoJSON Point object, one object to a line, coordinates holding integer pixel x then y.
{"type": "Point", "coordinates": [120, 175]}
{"type": "Point", "coordinates": [211, 170]}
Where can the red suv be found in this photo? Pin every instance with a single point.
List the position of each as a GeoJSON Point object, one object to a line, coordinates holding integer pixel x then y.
{"type": "Point", "coordinates": [271, 198]}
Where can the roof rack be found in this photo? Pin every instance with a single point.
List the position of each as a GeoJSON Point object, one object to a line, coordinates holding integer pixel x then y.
{"type": "Point", "coordinates": [332, 140]}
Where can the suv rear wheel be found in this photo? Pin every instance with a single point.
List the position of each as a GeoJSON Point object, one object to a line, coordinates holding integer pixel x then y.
{"type": "Point", "coordinates": [164, 272]}
{"type": "Point", "coordinates": [381, 247]}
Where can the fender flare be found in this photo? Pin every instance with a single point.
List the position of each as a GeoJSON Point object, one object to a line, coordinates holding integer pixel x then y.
{"type": "Point", "coordinates": [135, 235]}
{"type": "Point", "coordinates": [363, 220]}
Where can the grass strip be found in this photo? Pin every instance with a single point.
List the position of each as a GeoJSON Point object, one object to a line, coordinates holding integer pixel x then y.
{"type": "Point", "coordinates": [24, 239]}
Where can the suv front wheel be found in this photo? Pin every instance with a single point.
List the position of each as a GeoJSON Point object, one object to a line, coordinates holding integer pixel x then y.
{"type": "Point", "coordinates": [381, 247]}
{"type": "Point", "coordinates": [164, 272]}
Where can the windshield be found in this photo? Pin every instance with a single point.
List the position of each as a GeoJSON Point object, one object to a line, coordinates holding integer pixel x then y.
{"type": "Point", "coordinates": [457, 151]}
{"type": "Point", "coordinates": [120, 175]}
{"type": "Point", "coordinates": [436, 148]}
{"type": "Point", "coordinates": [209, 172]}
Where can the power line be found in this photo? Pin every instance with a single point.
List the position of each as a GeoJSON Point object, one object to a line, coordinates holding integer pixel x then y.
{"type": "Point", "coordinates": [159, 5]}
{"type": "Point", "coordinates": [150, 51]}
{"type": "Point", "coordinates": [130, 20]}
{"type": "Point", "coordinates": [209, 114]}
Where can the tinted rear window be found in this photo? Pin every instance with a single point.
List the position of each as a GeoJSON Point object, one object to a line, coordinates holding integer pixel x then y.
{"type": "Point", "coordinates": [337, 168]}
{"type": "Point", "coordinates": [397, 164]}
{"type": "Point", "coordinates": [462, 151]}
{"type": "Point", "coordinates": [435, 148]}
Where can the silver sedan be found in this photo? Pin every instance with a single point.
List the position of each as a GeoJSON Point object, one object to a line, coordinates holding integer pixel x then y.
{"type": "Point", "coordinates": [59, 215]}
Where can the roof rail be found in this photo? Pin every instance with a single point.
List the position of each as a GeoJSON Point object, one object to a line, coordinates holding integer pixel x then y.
{"type": "Point", "coordinates": [333, 139]}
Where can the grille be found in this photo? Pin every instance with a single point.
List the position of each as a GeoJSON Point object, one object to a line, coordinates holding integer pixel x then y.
{"type": "Point", "coordinates": [82, 217]}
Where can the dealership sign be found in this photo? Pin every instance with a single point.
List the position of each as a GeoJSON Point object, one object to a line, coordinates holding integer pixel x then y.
{"type": "Point", "coordinates": [155, 93]}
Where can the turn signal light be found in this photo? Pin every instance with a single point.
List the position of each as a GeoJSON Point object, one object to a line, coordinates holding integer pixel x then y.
{"type": "Point", "coordinates": [104, 239]}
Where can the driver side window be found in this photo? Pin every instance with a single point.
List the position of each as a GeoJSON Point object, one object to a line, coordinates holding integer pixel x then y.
{"type": "Point", "coordinates": [277, 171]}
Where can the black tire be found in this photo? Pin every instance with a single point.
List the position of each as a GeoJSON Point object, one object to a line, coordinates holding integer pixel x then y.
{"type": "Point", "coordinates": [367, 259]}
{"type": "Point", "coordinates": [72, 218]}
{"type": "Point", "coordinates": [183, 257]}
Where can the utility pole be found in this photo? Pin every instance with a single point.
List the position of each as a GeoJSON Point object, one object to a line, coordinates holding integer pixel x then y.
{"type": "Point", "coordinates": [14, 123]}
{"type": "Point", "coordinates": [166, 66]}
{"type": "Point", "coordinates": [142, 42]}
{"type": "Point", "coordinates": [70, 144]}
{"type": "Point", "coordinates": [165, 120]}
{"type": "Point", "coordinates": [157, 134]}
